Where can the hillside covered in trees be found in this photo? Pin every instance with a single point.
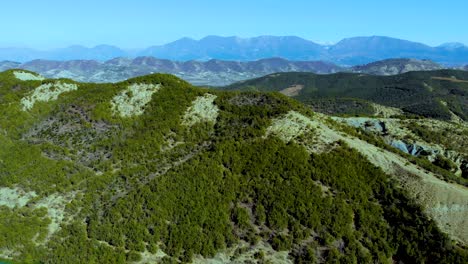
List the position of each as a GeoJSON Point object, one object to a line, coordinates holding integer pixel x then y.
{"type": "Point", "coordinates": [153, 169]}
{"type": "Point", "coordinates": [439, 94]}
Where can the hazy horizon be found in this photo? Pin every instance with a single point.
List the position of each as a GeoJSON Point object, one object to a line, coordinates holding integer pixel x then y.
{"type": "Point", "coordinates": [324, 43]}
{"type": "Point", "coordinates": [51, 24]}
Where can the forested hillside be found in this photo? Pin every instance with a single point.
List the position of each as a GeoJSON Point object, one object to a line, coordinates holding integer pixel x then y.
{"type": "Point", "coordinates": [153, 169]}
{"type": "Point", "coordinates": [435, 94]}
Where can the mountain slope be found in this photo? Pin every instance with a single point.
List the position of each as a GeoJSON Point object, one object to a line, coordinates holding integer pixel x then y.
{"type": "Point", "coordinates": [153, 169]}
{"type": "Point", "coordinates": [234, 48]}
{"type": "Point", "coordinates": [437, 94]}
{"type": "Point", "coordinates": [360, 50]}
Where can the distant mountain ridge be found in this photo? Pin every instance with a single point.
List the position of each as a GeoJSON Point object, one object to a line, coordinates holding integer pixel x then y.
{"type": "Point", "coordinates": [438, 94]}
{"type": "Point", "coordinates": [349, 51]}
{"type": "Point", "coordinates": [234, 48]}
{"type": "Point", "coordinates": [396, 66]}
{"type": "Point", "coordinates": [212, 72]}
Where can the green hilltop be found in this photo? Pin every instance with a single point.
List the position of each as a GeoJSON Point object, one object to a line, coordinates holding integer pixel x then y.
{"type": "Point", "coordinates": [153, 169]}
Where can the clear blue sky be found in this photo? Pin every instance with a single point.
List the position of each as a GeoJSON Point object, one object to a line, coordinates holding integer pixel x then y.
{"type": "Point", "coordinates": [140, 23]}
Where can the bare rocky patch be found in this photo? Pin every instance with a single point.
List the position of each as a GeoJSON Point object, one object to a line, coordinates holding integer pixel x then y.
{"type": "Point", "coordinates": [232, 255]}
{"type": "Point", "coordinates": [290, 126]}
{"type": "Point", "coordinates": [27, 76]}
{"type": "Point", "coordinates": [55, 205]}
{"type": "Point", "coordinates": [45, 93]}
{"type": "Point", "coordinates": [7, 253]}
{"type": "Point", "coordinates": [15, 197]}
{"type": "Point", "coordinates": [132, 101]}
{"type": "Point", "coordinates": [450, 79]}
{"type": "Point", "coordinates": [148, 257]}
{"type": "Point", "coordinates": [397, 133]}
{"type": "Point", "coordinates": [386, 111]}
{"type": "Point", "coordinates": [293, 90]}
{"type": "Point", "coordinates": [203, 109]}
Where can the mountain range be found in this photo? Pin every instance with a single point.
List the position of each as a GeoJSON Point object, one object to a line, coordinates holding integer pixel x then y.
{"type": "Point", "coordinates": [211, 73]}
{"type": "Point", "coordinates": [349, 51]}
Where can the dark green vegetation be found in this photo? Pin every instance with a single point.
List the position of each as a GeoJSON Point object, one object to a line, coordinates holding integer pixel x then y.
{"type": "Point", "coordinates": [149, 183]}
{"type": "Point", "coordinates": [417, 93]}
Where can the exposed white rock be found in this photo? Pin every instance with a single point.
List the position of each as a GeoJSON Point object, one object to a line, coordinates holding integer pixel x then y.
{"type": "Point", "coordinates": [7, 253]}
{"type": "Point", "coordinates": [203, 109]}
{"type": "Point", "coordinates": [15, 197]}
{"type": "Point", "coordinates": [148, 257]}
{"type": "Point", "coordinates": [293, 90]}
{"type": "Point", "coordinates": [248, 256]}
{"type": "Point", "coordinates": [27, 76]}
{"type": "Point", "coordinates": [290, 126]}
{"type": "Point", "coordinates": [131, 101]}
{"type": "Point", "coordinates": [55, 205]}
{"type": "Point", "coordinates": [386, 111]}
{"type": "Point", "coordinates": [46, 92]}
{"type": "Point", "coordinates": [397, 133]}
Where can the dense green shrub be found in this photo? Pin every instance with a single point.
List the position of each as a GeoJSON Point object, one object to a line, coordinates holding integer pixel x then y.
{"type": "Point", "coordinates": [198, 190]}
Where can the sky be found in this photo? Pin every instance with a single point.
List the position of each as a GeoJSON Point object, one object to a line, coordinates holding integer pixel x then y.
{"type": "Point", "coordinates": [130, 24]}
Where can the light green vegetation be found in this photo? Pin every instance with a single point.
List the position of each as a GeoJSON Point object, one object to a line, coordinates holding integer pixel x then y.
{"type": "Point", "coordinates": [46, 92]}
{"type": "Point", "coordinates": [290, 126]}
{"type": "Point", "coordinates": [132, 101]}
{"type": "Point", "coordinates": [15, 197]}
{"type": "Point", "coordinates": [202, 109]}
{"type": "Point", "coordinates": [28, 76]}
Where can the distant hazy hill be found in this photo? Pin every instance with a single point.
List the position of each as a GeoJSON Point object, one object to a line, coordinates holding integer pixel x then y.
{"type": "Point", "coordinates": [359, 50]}
{"type": "Point", "coordinates": [437, 94]}
{"type": "Point", "coordinates": [350, 51]}
{"type": "Point", "coordinates": [234, 48]}
{"type": "Point", "coordinates": [212, 72]}
{"type": "Point", "coordinates": [396, 66]}
{"type": "Point", "coordinates": [101, 52]}
{"type": "Point", "coordinates": [6, 65]}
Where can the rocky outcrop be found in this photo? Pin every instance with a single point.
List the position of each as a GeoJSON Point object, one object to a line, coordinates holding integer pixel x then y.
{"type": "Point", "coordinates": [395, 134]}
